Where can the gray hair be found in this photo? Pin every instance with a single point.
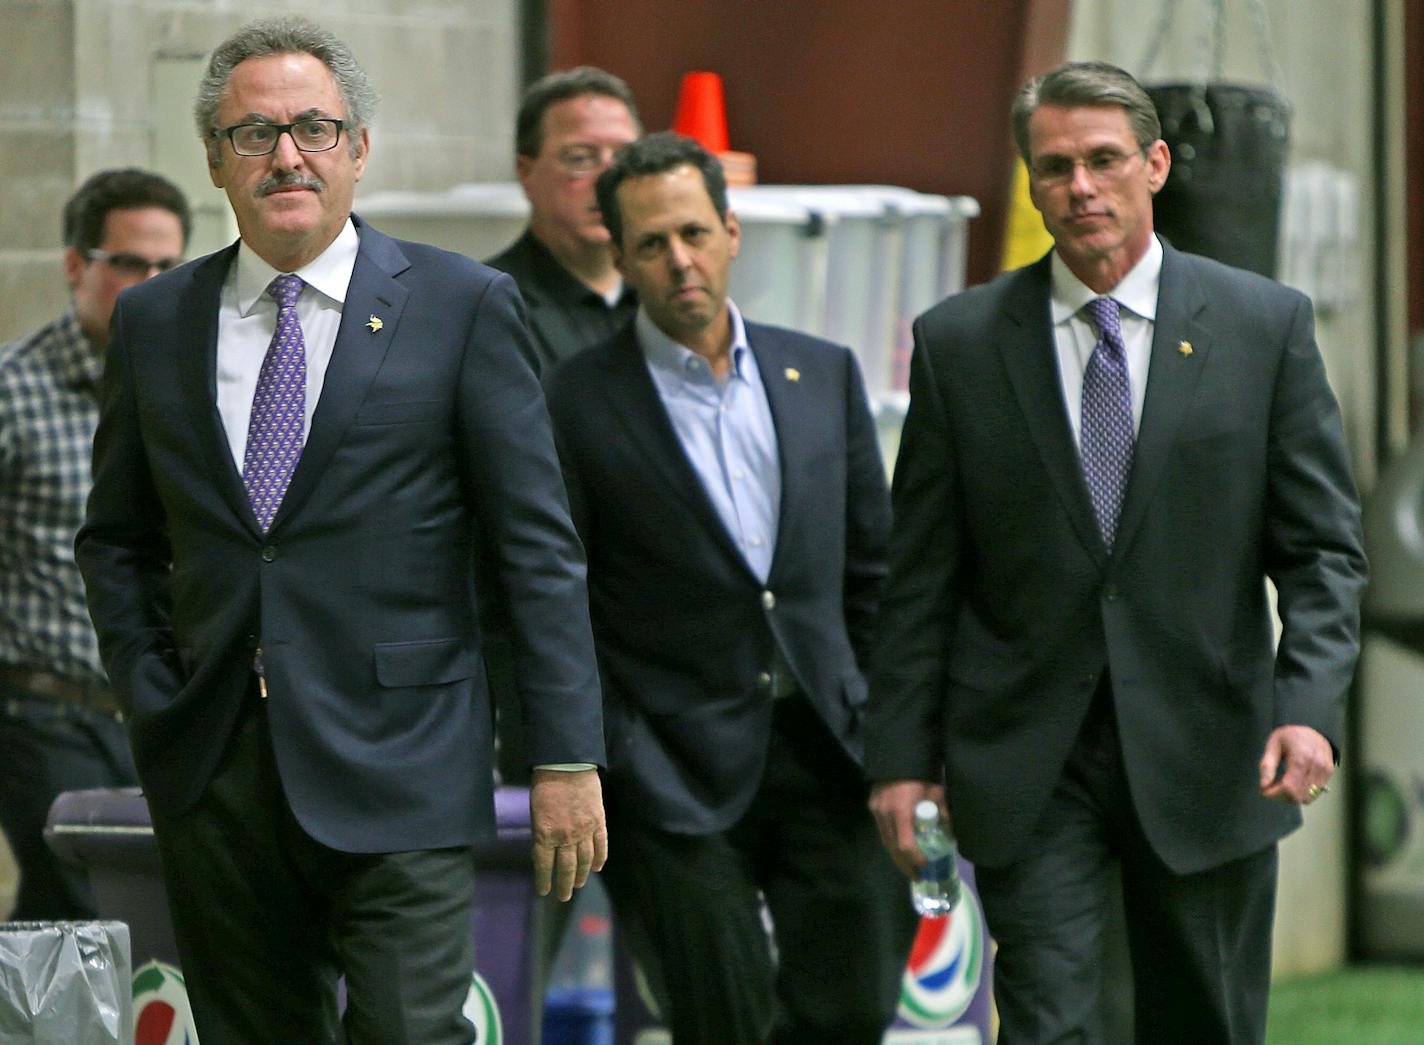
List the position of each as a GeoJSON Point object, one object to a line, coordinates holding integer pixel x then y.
{"type": "Point", "coordinates": [288, 34]}
{"type": "Point", "coordinates": [1076, 84]}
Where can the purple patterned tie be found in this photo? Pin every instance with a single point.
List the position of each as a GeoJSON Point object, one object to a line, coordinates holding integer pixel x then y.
{"type": "Point", "coordinates": [274, 432]}
{"type": "Point", "coordinates": [1107, 418]}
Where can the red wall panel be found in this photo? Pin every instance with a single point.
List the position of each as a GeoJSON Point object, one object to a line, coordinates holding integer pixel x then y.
{"type": "Point", "coordinates": [908, 92]}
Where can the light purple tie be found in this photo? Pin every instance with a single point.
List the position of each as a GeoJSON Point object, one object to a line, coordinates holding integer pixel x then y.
{"type": "Point", "coordinates": [274, 432]}
{"type": "Point", "coordinates": [1107, 437]}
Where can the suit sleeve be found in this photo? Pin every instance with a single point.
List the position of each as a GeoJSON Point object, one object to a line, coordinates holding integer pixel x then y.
{"type": "Point", "coordinates": [122, 549]}
{"type": "Point", "coordinates": [1312, 541]}
{"type": "Point", "coordinates": [904, 734]}
{"type": "Point", "coordinates": [867, 519]}
{"type": "Point", "coordinates": [508, 452]}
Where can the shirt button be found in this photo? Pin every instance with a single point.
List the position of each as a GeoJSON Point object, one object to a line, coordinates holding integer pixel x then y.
{"type": "Point", "coordinates": [1110, 593]}
{"type": "Point", "coordinates": [269, 553]}
{"type": "Point", "coordinates": [739, 475]}
{"type": "Point", "coordinates": [763, 682]}
{"type": "Point", "coordinates": [768, 600]}
{"type": "Point", "coordinates": [756, 542]}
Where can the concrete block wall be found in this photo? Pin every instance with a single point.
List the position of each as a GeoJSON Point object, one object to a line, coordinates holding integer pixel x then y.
{"type": "Point", "coordinates": [86, 84]}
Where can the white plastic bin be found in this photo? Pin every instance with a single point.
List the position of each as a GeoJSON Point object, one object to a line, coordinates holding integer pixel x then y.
{"type": "Point", "coordinates": [780, 275]}
{"type": "Point", "coordinates": [477, 219]}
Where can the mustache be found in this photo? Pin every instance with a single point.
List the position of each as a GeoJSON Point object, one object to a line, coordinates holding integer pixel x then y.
{"type": "Point", "coordinates": [285, 181]}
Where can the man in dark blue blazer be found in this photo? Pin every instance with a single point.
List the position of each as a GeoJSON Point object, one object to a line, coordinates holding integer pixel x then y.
{"type": "Point", "coordinates": [1107, 455]}
{"type": "Point", "coordinates": [297, 436]}
{"type": "Point", "coordinates": [727, 482]}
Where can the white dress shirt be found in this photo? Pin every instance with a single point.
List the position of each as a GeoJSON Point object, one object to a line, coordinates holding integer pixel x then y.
{"type": "Point", "coordinates": [1074, 334]}
{"type": "Point", "coordinates": [247, 315]}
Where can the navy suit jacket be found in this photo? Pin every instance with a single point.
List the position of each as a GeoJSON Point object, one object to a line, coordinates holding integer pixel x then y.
{"type": "Point", "coordinates": [361, 595]}
{"type": "Point", "coordinates": [1005, 607]}
{"type": "Point", "coordinates": [686, 633]}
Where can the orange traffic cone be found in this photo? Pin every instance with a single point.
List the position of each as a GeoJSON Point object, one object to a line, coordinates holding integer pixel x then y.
{"type": "Point", "coordinates": [702, 111]}
{"type": "Point", "coordinates": [702, 114]}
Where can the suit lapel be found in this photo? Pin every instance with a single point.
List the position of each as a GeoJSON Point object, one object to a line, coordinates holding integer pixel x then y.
{"type": "Point", "coordinates": [1171, 382]}
{"type": "Point", "coordinates": [636, 404]}
{"type": "Point", "coordinates": [196, 372]}
{"type": "Point", "coordinates": [775, 361]}
{"type": "Point", "coordinates": [1027, 346]}
{"type": "Point", "coordinates": [374, 299]}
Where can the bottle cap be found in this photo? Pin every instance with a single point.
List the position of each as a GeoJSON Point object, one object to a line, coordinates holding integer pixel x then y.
{"type": "Point", "coordinates": [926, 810]}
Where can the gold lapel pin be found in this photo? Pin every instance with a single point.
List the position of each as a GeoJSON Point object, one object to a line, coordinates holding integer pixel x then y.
{"type": "Point", "coordinates": [375, 323]}
{"type": "Point", "coordinates": [792, 374]}
{"type": "Point", "coordinates": [1185, 348]}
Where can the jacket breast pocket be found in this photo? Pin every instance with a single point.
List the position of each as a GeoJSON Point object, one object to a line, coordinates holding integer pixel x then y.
{"type": "Point", "coordinates": [414, 411]}
{"type": "Point", "coordinates": [430, 662]}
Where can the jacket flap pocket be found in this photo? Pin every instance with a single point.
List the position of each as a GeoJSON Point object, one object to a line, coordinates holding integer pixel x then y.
{"type": "Point", "coordinates": [426, 663]}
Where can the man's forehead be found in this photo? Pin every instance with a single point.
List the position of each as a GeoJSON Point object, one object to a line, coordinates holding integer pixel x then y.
{"type": "Point", "coordinates": [298, 79]}
{"type": "Point", "coordinates": [1063, 123]}
{"type": "Point", "coordinates": [585, 114]}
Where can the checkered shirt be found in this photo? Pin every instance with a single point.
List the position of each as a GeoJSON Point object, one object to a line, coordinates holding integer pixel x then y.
{"type": "Point", "coordinates": [48, 411]}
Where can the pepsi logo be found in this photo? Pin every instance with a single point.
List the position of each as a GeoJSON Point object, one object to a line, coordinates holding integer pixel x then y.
{"type": "Point", "coordinates": [482, 1010]}
{"type": "Point", "coordinates": [945, 968]}
{"type": "Point", "coordinates": [161, 1012]}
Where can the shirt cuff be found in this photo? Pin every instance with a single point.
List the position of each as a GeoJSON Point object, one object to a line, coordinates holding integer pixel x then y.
{"type": "Point", "coordinates": [568, 767]}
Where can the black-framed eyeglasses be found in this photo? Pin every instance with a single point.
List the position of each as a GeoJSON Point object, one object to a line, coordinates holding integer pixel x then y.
{"type": "Point", "coordinates": [260, 139]}
{"type": "Point", "coordinates": [132, 264]}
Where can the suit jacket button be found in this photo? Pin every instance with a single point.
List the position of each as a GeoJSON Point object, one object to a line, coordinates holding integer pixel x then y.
{"type": "Point", "coordinates": [763, 682]}
{"type": "Point", "coordinates": [1110, 593]}
{"type": "Point", "coordinates": [768, 600]}
{"type": "Point", "coordinates": [269, 553]}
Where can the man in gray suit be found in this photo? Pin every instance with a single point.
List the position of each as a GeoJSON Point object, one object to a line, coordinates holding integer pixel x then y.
{"type": "Point", "coordinates": [1106, 456]}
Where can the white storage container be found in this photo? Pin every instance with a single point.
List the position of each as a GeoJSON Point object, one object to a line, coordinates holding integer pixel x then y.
{"type": "Point", "coordinates": [477, 219]}
{"type": "Point", "coordinates": [780, 275]}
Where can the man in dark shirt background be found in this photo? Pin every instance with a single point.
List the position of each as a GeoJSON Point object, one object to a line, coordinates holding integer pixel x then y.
{"type": "Point", "coordinates": [568, 127]}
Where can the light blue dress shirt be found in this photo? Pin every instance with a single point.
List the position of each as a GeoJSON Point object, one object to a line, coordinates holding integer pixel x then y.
{"type": "Point", "coordinates": [726, 431]}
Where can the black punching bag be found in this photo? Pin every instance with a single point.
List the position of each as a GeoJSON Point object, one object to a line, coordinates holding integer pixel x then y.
{"type": "Point", "coordinates": [1223, 195]}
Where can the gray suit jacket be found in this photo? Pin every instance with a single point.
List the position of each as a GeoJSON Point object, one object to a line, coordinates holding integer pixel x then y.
{"type": "Point", "coordinates": [1004, 607]}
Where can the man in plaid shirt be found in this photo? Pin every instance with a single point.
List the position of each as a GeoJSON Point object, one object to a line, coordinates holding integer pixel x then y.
{"type": "Point", "coordinates": [60, 728]}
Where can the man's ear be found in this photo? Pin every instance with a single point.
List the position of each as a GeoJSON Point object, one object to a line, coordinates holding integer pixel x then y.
{"type": "Point", "coordinates": [74, 262]}
{"type": "Point", "coordinates": [363, 152]}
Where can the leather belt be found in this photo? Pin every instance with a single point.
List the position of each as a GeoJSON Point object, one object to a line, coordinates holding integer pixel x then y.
{"type": "Point", "coordinates": [94, 696]}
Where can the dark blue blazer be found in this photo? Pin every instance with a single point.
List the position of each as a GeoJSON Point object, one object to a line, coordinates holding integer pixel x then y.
{"type": "Point", "coordinates": [1005, 608]}
{"type": "Point", "coordinates": [361, 595]}
{"type": "Point", "coordinates": [686, 633]}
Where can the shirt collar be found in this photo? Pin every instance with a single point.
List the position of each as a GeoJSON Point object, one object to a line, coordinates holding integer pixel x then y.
{"type": "Point", "coordinates": [1136, 292]}
{"type": "Point", "coordinates": [76, 359]}
{"type": "Point", "coordinates": [558, 282]}
{"type": "Point", "coordinates": [328, 273]}
{"type": "Point", "coordinates": [663, 352]}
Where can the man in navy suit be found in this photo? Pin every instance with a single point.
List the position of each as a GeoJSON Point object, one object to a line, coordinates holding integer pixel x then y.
{"type": "Point", "coordinates": [1107, 455]}
{"type": "Point", "coordinates": [727, 483]}
{"type": "Point", "coordinates": [297, 436]}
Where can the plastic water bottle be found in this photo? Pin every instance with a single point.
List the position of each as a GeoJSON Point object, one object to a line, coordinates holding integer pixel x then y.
{"type": "Point", "coordinates": [936, 891]}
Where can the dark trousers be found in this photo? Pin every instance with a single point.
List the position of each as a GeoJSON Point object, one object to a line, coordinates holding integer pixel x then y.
{"type": "Point", "coordinates": [266, 918]}
{"type": "Point", "coordinates": [1200, 944]}
{"type": "Point", "coordinates": [691, 907]}
{"type": "Point", "coordinates": [45, 748]}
